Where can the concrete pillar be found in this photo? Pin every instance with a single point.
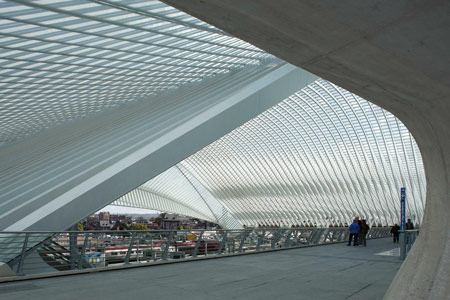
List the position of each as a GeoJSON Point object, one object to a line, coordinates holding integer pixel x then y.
{"type": "Point", "coordinates": [392, 54]}
{"type": "Point", "coordinates": [425, 274]}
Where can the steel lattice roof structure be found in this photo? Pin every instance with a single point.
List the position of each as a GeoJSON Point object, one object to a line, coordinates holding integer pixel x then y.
{"type": "Point", "coordinates": [320, 157]}
{"type": "Point", "coordinates": [99, 97]}
{"type": "Point", "coordinates": [63, 60]}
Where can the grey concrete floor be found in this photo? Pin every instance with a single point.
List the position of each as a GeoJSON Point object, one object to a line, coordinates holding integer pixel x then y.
{"type": "Point", "coordinates": [323, 272]}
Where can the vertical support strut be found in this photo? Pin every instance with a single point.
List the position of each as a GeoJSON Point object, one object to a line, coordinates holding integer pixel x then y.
{"type": "Point", "coordinates": [130, 248]}
{"type": "Point", "coordinates": [73, 248]}
{"type": "Point", "coordinates": [243, 238]}
{"type": "Point", "coordinates": [276, 237]}
{"type": "Point", "coordinates": [261, 238]}
{"type": "Point", "coordinates": [288, 238]}
{"type": "Point", "coordinates": [22, 255]}
{"type": "Point", "coordinates": [222, 243]}
{"type": "Point", "coordinates": [194, 254]}
{"type": "Point", "coordinates": [166, 250]}
{"type": "Point", "coordinates": [83, 251]}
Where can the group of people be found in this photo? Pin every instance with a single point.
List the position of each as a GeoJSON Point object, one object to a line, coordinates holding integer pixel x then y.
{"type": "Point", "coordinates": [359, 229]}
{"type": "Point", "coordinates": [395, 230]}
{"type": "Point", "coordinates": [358, 232]}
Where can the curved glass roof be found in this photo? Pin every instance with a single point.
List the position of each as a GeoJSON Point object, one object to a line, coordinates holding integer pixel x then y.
{"type": "Point", "coordinates": [62, 60]}
{"type": "Point", "coordinates": [322, 156]}
{"type": "Point", "coordinates": [176, 190]}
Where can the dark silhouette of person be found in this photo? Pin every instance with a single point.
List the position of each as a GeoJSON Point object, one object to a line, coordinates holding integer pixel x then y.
{"type": "Point", "coordinates": [354, 230]}
{"type": "Point", "coordinates": [395, 230]}
{"type": "Point", "coordinates": [409, 225]}
{"type": "Point", "coordinates": [359, 234]}
{"type": "Point", "coordinates": [364, 229]}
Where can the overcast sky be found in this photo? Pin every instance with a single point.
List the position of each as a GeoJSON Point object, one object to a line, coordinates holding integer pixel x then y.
{"type": "Point", "coordinates": [127, 210]}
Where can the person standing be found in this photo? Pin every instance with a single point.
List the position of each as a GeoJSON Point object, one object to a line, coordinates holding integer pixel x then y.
{"type": "Point", "coordinates": [409, 225]}
{"type": "Point", "coordinates": [359, 234]}
{"type": "Point", "coordinates": [364, 229]}
{"type": "Point", "coordinates": [354, 230]}
{"type": "Point", "coordinates": [395, 230]}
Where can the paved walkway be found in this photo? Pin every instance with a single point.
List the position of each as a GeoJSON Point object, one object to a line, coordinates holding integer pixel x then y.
{"type": "Point", "coordinates": [323, 272]}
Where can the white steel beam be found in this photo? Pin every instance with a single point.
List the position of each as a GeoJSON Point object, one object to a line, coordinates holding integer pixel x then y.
{"type": "Point", "coordinates": [52, 180]}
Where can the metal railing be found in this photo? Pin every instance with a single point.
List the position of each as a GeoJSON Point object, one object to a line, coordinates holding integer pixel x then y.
{"type": "Point", "coordinates": [29, 253]}
{"type": "Point", "coordinates": [407, 239]}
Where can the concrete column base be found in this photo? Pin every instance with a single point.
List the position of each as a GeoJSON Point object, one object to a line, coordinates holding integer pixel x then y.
{"type": "Point", "coordinates": [5, 270]}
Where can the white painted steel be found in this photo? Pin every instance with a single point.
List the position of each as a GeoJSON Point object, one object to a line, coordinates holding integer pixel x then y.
{"type": "Point", "coordinates": [320, 157]}
{"type": "Point", "coordinates": [298, 163]}
{"type": "Point", "coordinates": [63, 60]}
{"type": "Point", "coordinates": [176, 190]}
{"type": "Point", "coordinates": [52, 180]}
{"type": "Point", "coordinates": [90, 89]}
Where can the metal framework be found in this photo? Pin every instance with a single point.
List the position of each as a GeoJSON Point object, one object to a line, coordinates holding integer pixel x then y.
{"type": "Point", "coordinates": [64, 251]}
{"type": "Point", "coordinates": [78, 168]}
{"type": "Point", "coordinates": [119, 91]}
{"type": "Point", "coordinates": [63, 60]}
{"type": "Point", "coordinates": [176, 190]}
{"type": "Point", "coordinates": [321, 157]}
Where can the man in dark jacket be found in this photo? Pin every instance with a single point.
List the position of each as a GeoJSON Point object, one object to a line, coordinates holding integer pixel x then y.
{"type": "Point", "coordinates": [395, 230]}
{"type": "Point", "coordinates": [363, 232]}
{"type": "Point", "coordinates": [359, 233]}
{"type": "Point", "coordinates": [354, 230]}
{"type": "Point", "coordinates": [409, 225]}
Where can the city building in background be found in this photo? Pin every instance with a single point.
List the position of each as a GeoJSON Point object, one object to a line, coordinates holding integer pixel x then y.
{"type": "Point", "coordinates": [164, 221]}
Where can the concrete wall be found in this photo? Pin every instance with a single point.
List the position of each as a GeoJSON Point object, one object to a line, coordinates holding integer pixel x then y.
{"type": "Point", "coordinates": [393, 53]}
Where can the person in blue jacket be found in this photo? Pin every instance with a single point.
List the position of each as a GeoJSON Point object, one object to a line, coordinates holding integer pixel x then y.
{"type": "Point", "coordinates": [354, 230]}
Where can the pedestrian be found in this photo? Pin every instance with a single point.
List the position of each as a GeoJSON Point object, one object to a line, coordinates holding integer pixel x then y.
{"type": "Point", "coordinates": [409, 225]}
{"type": "Point", "coordinates": [354, 230]}
{"type": "Point", "coordinates": [395, 230]}
{"type": "Point", "coordinates": [359, 234]}
{"type": "Point", "coordinates": [363, 232]}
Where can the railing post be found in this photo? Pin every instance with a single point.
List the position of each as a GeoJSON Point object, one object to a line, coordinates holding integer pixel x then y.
{"type": "Point", "coordinates": [288, 239]}
{"type": "Point", "coordinates": [243, 238]}
{"type": "Point", "coordinates": [315, 235]}
{"type": "Point", "coordinates": [324, 235]}
{"type": "Point", "coordinates": [151, 247]}
{"type": "Point", "coordinates": [137, 249]}
{"type": "Point", "coordinates": [276, 237]}
{"type": "Point", "coordinates": [344, 235]}
{"type": "Point", "coordinates": [328, 234]}
{"type": "Point", "coordinates": [166, 250]}
{"type": "Point", "coordinates": [377, 232]}
{"type": "Point", "coordinates": [73, 248]}
{"type": "Point", "coordinates": [83, 251]}
{"type": "Point", "coordinates": [130, 248]}
{"type": "Point", "coordinates": [258, 245]}
{"type": "Point", "coordinates": [194, 254]}
{"type": "Point", "coordinates": [22, 255]}
{"type": "Point", "coordinates": [222, 243]}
